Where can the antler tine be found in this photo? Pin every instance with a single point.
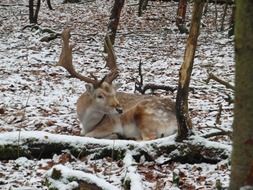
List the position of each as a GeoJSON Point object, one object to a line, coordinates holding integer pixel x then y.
{"type": "Point", "coordinates": [113, 75]}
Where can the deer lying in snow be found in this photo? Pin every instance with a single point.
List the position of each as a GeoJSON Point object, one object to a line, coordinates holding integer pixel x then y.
{"type": "Point", "coordinates": [105, 113]}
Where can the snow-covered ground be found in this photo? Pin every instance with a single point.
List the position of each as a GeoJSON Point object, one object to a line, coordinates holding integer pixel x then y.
{"type": "Point", "coordinates": [36, 95]}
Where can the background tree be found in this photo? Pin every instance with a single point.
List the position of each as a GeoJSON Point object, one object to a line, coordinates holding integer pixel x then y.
{"type": "Point", "coordinates": [114, 19]}
{"type": "Point", "coordinates": [142, 6]}
{"type": "Point", "coordinates": [242, 155]}
{"type": "Point", "coordinates": [183, 118]}
{"type": "Point", "coordinates": [180, 19]}
{"type": "Point", "coordinates": [111, 34]}
{"type": "Point", "coordinates": [33, 14]}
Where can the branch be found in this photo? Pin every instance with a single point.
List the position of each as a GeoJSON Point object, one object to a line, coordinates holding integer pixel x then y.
{"type": "Point", "coordinates": [143, 88]}
{"type": "Point", "coordinates": [50, 37]}
{"type": "Point", "coordinates": [221, 81]}
{"type": "Point", "coordinates": [218, 133]}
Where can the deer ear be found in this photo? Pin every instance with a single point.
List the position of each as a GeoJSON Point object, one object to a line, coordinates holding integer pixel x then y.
{"type": "Point", "coordinates": [89, 88]}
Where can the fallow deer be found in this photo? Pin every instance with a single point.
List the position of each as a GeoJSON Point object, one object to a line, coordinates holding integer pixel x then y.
{"type": "Point", "coordinates": [105, 113]}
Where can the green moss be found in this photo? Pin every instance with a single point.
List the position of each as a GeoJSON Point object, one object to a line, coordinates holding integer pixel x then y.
{"type": "Point", "coordinates": [72, 178]}
{"type": "Point", "coordinates": [56, 174]}
{"type": "Point", "coordinates": [12, 152]}
{"type": "Point", "coordinates": [127, 184]}
{"type": "Point", "coordinates": [49, 184]}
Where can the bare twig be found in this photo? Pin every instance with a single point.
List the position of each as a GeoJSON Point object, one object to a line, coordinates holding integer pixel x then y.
{"type": "Point", "coordinates": [217, 133]}
{"type": "Point", "coordinates": [111, 160]}
{"type": "Point", "coordinates": [140, 87]}
{"type": "Point", "coordinates": [223, 16]}
{"type": "Point", "coordinates": [218, 116]}
{"type": "Point", "coordinates": [216, 15]}
{"type": "Point", "coordinates": [229, 99]}
{"type": "Point", "coordinates": [221, 81]}
{"type": "Point", "coordinates": [50, 37]}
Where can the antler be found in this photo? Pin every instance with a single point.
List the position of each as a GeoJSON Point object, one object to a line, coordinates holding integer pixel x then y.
{"type": "Point", "coordinates": [113, 75]}
{"type": "Point", "coordinates": [66, 62]}
{"type": "Point", "coordinates": [66, 58]}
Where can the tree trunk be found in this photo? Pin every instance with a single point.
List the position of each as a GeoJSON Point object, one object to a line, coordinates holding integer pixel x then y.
{"type": "Point", "coordinates": [114, 19]}
{"type": "Point", "coordinates": [232, 22]}
{"type": "Point", "coordinates": [142, 6]}
{"type": "Point", "coordinates": [36, 14]}
{"type": "Point", "coordinates": [31, 18]}
{"type": "Point", "coordinates": [180, 19]}
{"type": "Point", "coordinates": [184, 121]}
{"type": "Point", "coordinates": [49, 5]}
{"type": "Point", "coordinates": [242, 156]}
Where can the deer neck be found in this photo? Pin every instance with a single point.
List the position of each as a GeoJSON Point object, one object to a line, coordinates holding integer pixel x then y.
{"type": "Point", "coordinates": [93, 118]}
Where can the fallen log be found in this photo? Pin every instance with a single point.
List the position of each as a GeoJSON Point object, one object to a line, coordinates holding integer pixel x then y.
{"type": "Point", "coordinates": [38, 144]}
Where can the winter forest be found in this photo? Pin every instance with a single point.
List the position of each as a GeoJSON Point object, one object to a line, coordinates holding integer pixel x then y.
{"type": "Point", "coordinates": [126, 94]}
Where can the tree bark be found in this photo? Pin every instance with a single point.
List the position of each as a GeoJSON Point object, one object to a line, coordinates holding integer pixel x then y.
{"type": "Point", "coordinates": [183, 118]}
{"type": "Point", "coordinates": [180, 19]}
{"type": "Point", "coordinates": [242, 155]}
{"type": "Point", "coordinates": [114, 19]}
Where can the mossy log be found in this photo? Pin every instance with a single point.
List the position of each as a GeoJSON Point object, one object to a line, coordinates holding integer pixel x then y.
{"type": "Point", "coordinates": [37, 144]}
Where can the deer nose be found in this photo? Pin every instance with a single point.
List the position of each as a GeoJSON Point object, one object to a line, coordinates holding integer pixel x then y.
{"type": "Point", "coordinates": [119, 110]}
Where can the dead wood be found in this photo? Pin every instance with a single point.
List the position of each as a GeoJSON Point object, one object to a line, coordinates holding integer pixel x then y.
{"type": "Point", "coordinates": [52, 34]}
{"type": "Point", "coordinates": [211, 76]}
{"type": "Point", "coordinates": [50, 37]}
{"type": "Point", "coordinates": [140, 87]}
{"type": "Point", "coordinates": [39, 145]}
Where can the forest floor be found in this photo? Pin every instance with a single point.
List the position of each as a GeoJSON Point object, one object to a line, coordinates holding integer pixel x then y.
{"type": "Point", "coordinates": [36, 95]}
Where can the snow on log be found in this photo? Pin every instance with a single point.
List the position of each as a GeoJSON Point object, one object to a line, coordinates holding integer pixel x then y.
{"type": "Point", "coordinates": [63, 178]}
{"type": "Point", "coordinates": [38, 144]}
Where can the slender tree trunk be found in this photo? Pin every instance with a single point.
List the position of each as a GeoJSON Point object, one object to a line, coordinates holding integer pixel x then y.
{"type": "Point", "coordinates": [31, 18]}
{"type": "Point", "coordinates": [49, 5]}
{"type": "Point", "coordinates": [142, 6]}
{"type": "Point", "coordinates": [223, 16]}
{"type": "Point", "coordinates": [232, 22]}
{"type": "Point", "coordinates": [180, 20]}
{"type": "Point", "coordinates": [37, 11]}
{"type": "Point", "coordinates": [242, 155]}
{"type": "Point", "coordinates": [114, 19]}
{"type": "Point", "coordinates": [183, 118]}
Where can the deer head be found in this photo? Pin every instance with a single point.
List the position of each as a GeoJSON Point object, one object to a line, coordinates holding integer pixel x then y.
{"type": "Point", "coordinates": [102, 91]}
